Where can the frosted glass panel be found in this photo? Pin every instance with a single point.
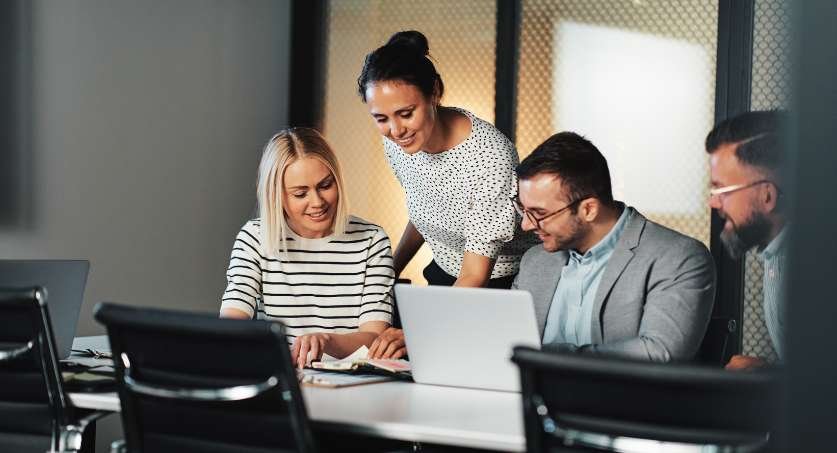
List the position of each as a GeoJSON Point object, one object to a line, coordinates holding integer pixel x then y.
{"type": "Point", "coordinates": [620, 101]}
{"type": "Point", "coordinates": [638, 80]}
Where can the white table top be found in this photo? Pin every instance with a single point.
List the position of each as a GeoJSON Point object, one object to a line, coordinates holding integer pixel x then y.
{"type": "Point", "coordinates": [401, 410]}
{"type": "Point", "coordinates": [422, 413]}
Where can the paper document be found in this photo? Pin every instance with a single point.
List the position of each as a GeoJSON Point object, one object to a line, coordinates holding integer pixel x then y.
{"type": "Point", "coordinates": [360, 353]}
{"type": "Point", "coordinates": [358, 359]}
{"type": "Point", "coordinates": [319, 378]}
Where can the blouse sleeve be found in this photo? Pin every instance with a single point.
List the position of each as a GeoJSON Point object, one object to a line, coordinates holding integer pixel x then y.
{"type": "Point", "coordinates": [376, 303]}
{"type": "Point", "coordinates": [491, 216]}
{"type": "Point", "coordinates": [244, 274]}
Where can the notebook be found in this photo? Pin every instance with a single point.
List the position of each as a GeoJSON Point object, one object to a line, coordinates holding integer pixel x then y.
{"type": "Point", "coordinates": [319, 378]}
{"type": "Point", "coordinates": [355, 369]}
{"type": "Point", "coordinates": [64, 281]}
{"type": "Point", "coordinates": [464, 337]}
{"type": "Point", "coordinates": [358, 361]}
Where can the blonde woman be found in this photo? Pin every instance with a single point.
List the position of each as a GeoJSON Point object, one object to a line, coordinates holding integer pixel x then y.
{"type": "Point", "coordinates": [326, 275]}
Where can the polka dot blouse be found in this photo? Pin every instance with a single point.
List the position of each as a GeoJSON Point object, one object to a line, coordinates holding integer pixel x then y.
{"type": "Point", "coordinates": [459, 199]}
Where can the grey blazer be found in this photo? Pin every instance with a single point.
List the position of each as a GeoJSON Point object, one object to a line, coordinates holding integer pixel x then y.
{"type": "Point", "coordinates": [654, 300]}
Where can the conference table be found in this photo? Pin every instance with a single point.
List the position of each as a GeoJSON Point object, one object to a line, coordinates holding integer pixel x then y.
{"type": "Point", "coordinates": [398, 410]}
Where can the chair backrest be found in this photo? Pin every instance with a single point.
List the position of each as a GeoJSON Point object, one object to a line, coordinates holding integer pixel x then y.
{"type": "Point", "coordinates": [192, 382]}
{"type": "Point", "coordinates": [717, 345]}
{"type": "Point", "coordinates": [570, 399]}
{"type": "Point", "coordinates": [33, 404]}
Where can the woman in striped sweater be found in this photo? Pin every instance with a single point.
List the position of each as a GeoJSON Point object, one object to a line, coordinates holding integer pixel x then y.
{"type": "Point", "coordinates": [326, 275]}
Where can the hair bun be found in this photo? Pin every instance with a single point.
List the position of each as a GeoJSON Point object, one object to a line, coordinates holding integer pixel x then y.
{"type": "Point", "coordinates": [412, 39]}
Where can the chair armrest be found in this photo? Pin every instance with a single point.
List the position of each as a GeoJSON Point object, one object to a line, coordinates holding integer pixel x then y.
{"type": "Point", "coordinates": [118, 446]}
{"type": "Point", "coordinates": [71, 435]}
{"type": "Point", "coordinates": [236, 393]}
{"type": "Point", "coordinates": [10, 354]}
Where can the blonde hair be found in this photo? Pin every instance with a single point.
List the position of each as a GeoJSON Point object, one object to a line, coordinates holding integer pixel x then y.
{"type": "Point", "coordinates": [283, 149]}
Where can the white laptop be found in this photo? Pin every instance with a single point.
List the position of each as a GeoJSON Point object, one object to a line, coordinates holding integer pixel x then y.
{"type": "Point", "coordinates": [464, 336]}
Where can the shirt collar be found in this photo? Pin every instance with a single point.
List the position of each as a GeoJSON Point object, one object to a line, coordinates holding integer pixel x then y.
{"type": "Point", "coordinates": [775, 247]}
{"type": "Point", "coordinates": [607, 243]}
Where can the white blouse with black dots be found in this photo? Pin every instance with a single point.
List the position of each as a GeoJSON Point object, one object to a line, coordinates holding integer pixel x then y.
{"type": "Point", "coordinates": [460, 199]}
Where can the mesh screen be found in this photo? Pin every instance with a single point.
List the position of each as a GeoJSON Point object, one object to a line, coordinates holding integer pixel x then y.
{"type": "Point", "coordinates": [771, 76]}
{"type": "Point", "coordinates": [770, 89]}
{"type": "Point", "coordinates": [647, 103]}
{"type": "Point", "coordinates": [462, 38]}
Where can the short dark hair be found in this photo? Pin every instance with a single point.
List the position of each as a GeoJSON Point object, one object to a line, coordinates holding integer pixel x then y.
{"type": "Point", "coordinates": [760, 136]}
{"type": "Point", "coordinates": [581, 167]}
{"type": "Point", "coordinates": [405, 57]}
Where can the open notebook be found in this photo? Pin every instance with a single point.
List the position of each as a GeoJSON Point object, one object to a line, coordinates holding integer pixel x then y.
{"type": "Point", "coordinates": [355, 369]}
{"type": "Point", "coordinates": [358, 361]}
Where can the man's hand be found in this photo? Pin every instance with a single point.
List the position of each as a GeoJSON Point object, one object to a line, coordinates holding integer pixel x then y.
{"type": "Point", "coordinates": [389, 345]}
{"type": "Point", "coordinates": [308, 348]}
{"type": "Point", "coordinates": [744, 362]}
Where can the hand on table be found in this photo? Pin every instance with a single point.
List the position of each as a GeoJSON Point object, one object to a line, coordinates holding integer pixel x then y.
{"type": "Point", "coordinates": [308, 348]}
{"type": "Point", "coordinates": [389, 345]}
{"type": "Point", "coordinates": [744, 362]}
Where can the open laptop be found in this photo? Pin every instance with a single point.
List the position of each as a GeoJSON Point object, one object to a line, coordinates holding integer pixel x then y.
{"type": "Point", "coordinates": [64, 281]}
{"type": "Point", "coordinates": [464, 336]}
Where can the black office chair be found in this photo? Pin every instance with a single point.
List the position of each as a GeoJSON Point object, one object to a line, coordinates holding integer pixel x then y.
{"type": "Point", "coordinates": [194, 383]}
{"type": "Point", "coordinates": [35, 413]}
{"type": "Point", "coordinates": [716, 347]}
{"type": "Point", "coordinates": [575, 402]}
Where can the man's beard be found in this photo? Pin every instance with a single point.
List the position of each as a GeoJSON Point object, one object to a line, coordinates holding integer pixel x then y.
{"type": "Point", "coordinates": [578, 231]}
{"type": "Point", "coordinates": [751, 233]}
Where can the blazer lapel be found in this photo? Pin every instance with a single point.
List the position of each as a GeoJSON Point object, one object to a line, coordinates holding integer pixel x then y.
{"type": "Point", "coordinates": [620, 258]}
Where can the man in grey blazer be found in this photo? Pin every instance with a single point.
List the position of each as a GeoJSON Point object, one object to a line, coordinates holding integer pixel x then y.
{"type": "Point", "coordinates": [606, 280]}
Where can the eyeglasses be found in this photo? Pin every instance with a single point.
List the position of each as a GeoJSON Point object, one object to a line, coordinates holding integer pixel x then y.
{"type": "Point", "coordinates": [718, 191]}
{"type": "Point", "coordinates": [518, 206]}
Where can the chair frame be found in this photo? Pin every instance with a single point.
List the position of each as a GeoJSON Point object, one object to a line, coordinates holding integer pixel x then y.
{"type": "Point", "coordinates": [128, 386]}
{"type": "Point", "coordinates": [540, 421]}
{"type": "Point", "coordinates": [67, 431]}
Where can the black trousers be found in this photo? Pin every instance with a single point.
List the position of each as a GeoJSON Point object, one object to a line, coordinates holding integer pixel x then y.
{"type": "Point", "coordinates": [436, 276]}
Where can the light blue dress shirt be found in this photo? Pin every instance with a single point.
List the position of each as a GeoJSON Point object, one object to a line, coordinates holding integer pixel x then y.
{"type": "Point", "coordinates": [774, 258]}
{"type": "Point", "coordinates": [570, 314]}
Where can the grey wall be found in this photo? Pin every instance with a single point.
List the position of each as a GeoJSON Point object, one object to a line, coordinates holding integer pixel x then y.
{"type": "Point", "coordinates": [147, 123]}
{"type": "Point", "coordinates": [148, 119]}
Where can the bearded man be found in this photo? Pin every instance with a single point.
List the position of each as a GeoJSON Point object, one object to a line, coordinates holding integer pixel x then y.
{"type": "Point", "coordinates": [746, 160]}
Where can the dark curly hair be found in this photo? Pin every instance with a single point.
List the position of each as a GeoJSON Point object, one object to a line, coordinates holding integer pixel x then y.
{"type": "Point", "coordinates": [405, 57]}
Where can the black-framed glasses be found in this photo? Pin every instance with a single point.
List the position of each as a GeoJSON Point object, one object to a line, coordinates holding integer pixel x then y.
{"type": "Point", "coordinates": [518, 206]}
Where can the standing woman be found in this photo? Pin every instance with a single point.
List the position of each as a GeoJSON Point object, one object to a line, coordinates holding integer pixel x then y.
{"type": "Point", "coordinates": [456, 169]}
{"type": "Point", "coordinates": [326, 275]}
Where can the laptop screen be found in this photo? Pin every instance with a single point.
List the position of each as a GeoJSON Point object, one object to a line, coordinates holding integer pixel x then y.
{"type": "Point", "coordinates": [64, 281]}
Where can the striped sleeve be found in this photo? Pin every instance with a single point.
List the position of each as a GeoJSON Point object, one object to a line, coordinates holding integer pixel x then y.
{"type": "Point", "coordinates": [244, 274]}
{"type": "Point", "coordinates": [376, 302]}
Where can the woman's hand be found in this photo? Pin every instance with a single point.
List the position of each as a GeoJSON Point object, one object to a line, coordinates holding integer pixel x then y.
{"type": "Point", "coordinates": [389, 345]}
{"type": "Point", "coordinates": [308, 348]}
